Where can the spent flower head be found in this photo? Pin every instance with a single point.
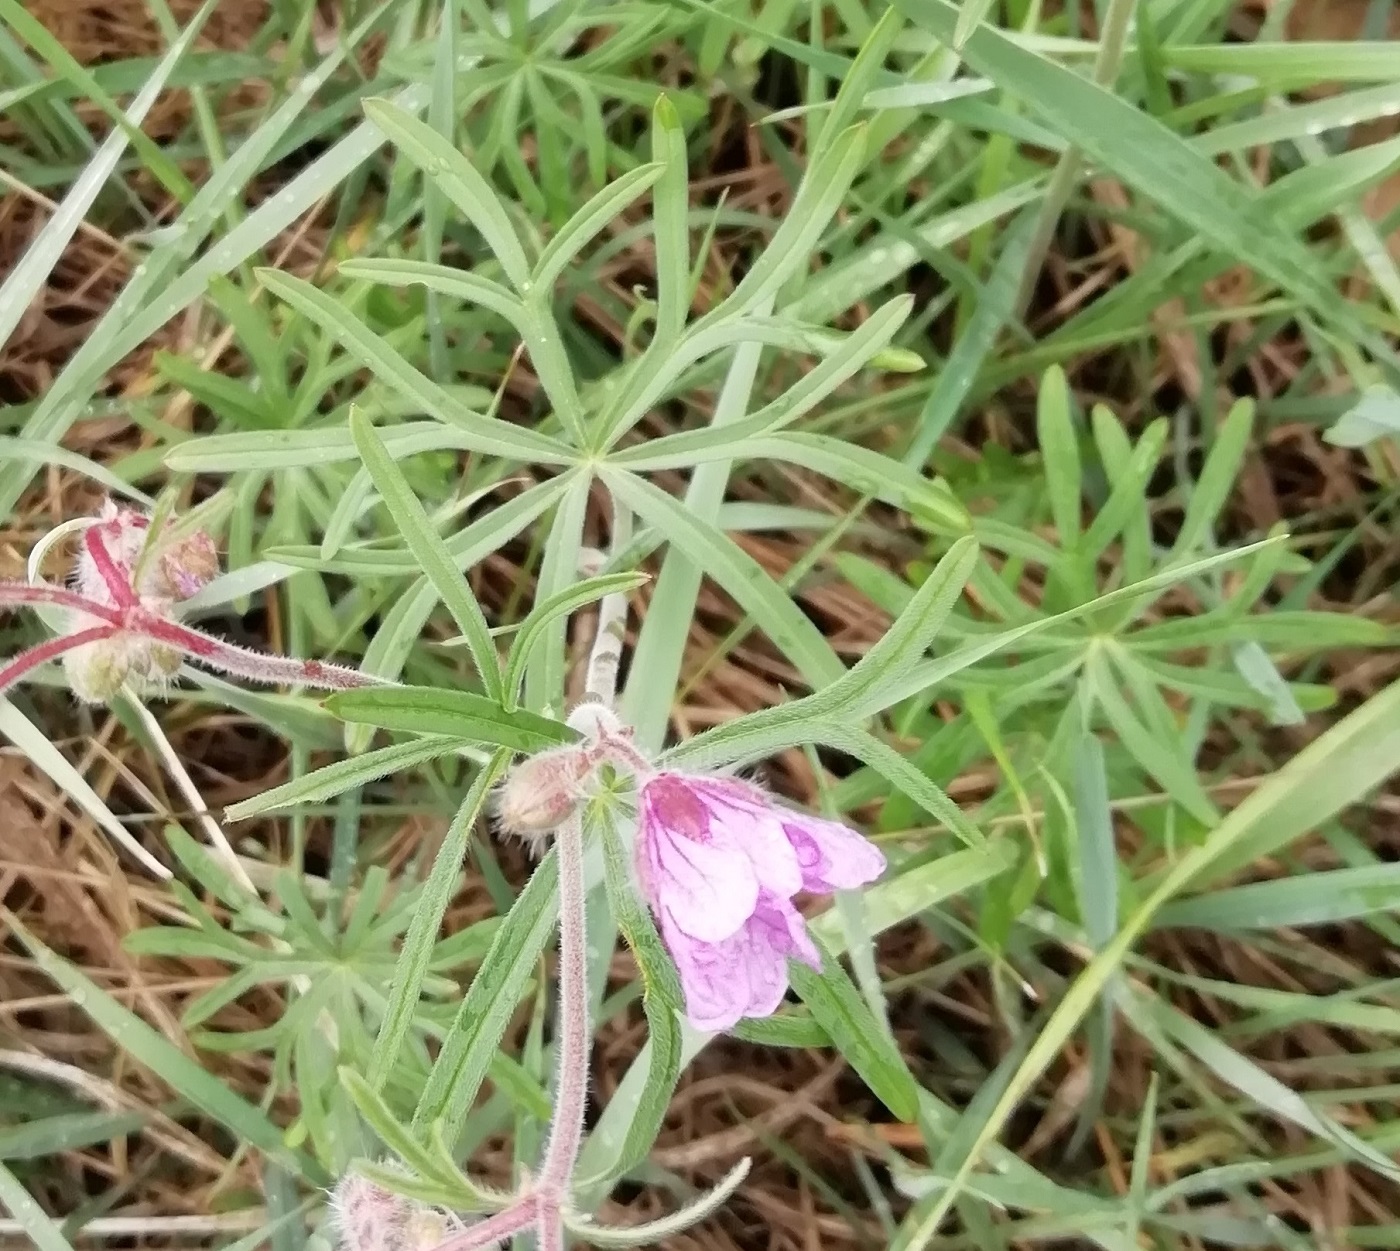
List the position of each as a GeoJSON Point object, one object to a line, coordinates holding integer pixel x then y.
{"type": "Point", "coordinates": [122, 618]}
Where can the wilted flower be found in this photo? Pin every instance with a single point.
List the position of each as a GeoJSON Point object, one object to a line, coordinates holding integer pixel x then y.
{"type": "Point", "coordinates": [719, 863]}
{"type": "Point", "coordinates": [123, 615]}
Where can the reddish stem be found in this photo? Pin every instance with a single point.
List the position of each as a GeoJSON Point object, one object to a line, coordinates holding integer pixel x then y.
{"type": "Point", "coordinates": [495, 1229]}
{"type": "Point", "coordinates": [19, 665]}
{"type": "Point", "coordinates": [120, 588]}
{"type": "Point", "coordinates": [243, 662]}
{"type": "Point", "coordinates": [16, 593]}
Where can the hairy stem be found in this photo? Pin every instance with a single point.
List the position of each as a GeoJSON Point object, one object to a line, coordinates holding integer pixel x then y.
{"type": "Point", "coordinates": [118, 587]}
{"type": "Point", "coordinates": [600, 680]}
{"type": "Point", "coordinates": [571, 1080]}
{"type": "Point", "coordinates": [243, 662]}
{"type": "Point", "coordinates": [549, 1228]}
{"type": "Point", "coordinates": [51, 649]}
{"type": "Point", "coordinates": [41, 594]}
{"type": "Point", "coordinates": [494, 1229]}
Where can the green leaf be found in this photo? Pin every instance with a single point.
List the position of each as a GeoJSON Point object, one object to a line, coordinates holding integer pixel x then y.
{"type": "Point", "coordinates": [912, 632]}
{"type": "Point", "coordinates": [456, 714]}
{"type": "Point", "coordinates": [149, 1048]}
{"type": "Point", "coordinates": [31, 271]}
{"type": "Point", "coordinates": [40, 1228]}
{"type": "Point", "coordinates": [432, 552]}
{"type": "Point", "coordinates": [822, 190]}
{"type": "Point", "coordinates": [419, 942]}
{"type": "Point", "coordinates": [485, 434]}
{"type": "Point", "coordinates": [662, 1001]}
{"type": "Point", "coordinates": [458, 180]}
{"type": "Point", "coordinates": [490, 1003]}
{"type": "Point", "coordinates": [1375, 415]}
{"type": "Point", "coordinates": [1059, 449]}
{"type": "Point", "coordinates": [737, 572]}
{"type": "Point", "coordinates": [423, 1162]}
{"type": "Point", "coordinates": [1218, 476]}
{"type": "Point", "coordinates": [1146, 155]}
{"type": "Point", "coordinates": [154, 295]}
{"type": "Point", "coordinates": [898, 772]}
{"type": "Point", "coordinates": [584, 225]}
{"type": "Point", "coordinates": [332, 780]}
{"type": "Point", "coordinates": [994, 309]}
{"type": "Point", "coordinates": [670, 228]}
{"type": "Point", "coordinates": [1316, 898]}
{"type": "Point", "coordinates": [1335, 770]}
{"type": "Point", "coordinates": [1263, 1089]}
{"type": "Point", "coordinates": [553, 608]}
{"type": "Point", "coordinates": [67, 1131]}
{"type": "Point", "coordinates": [837, 1006]}
{"type": "Point", "coordinates": [461, 284]}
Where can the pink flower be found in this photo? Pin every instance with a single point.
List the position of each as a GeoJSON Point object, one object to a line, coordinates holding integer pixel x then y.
{"type": "Point", "coordinates": [719, 864]}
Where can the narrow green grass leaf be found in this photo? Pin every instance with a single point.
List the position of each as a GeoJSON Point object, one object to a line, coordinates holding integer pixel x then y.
{"type": "Point", "coordinates": [1318, 898]}
{"type": "Point", "coordinates": [335, 779]}
{"type": "Point", "coordinates": [994, 309]}
{"type": "Point", "coordinates": [432, 552]}
{"type": "Point", "coordinates": [67, 1131]}
{"type": "Point", "coordinates": [38, 1225]}
{"type": "Point", "coordinates": [456, 714]}
{"type": "Point", "coordinates": [32, 270]}
{"type": "Point", "coordinates": [147, 1047]}
{"type": "Point", "coordinates": [422, 936]}
{"type": "Point", "coordinates": [1146, 155]}
{"type": "Point", "coordinates": [490, 1003]}
{"type": "Point", "coordinates": [39, 748]}
{"type": "Point", "coordinates": [1160, 760]}
{"type": "Point", "coordinates": [837, 1006]}
{"type": "Point", "coordinates": [1262, 1088]}
{"type": "Point", "coordinates": [154, 295]}
{"type": "Point", "coordinates": [1337, 769]}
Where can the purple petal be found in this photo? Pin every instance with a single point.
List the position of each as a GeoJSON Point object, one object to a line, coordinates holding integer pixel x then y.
{"type": "Point", "coordinates": [708, 891]}
{"type": "Point", "coordinates": [745, 975]}
{"type": "Point", "coordinates": [742, 817]}
{"type": "Point", "coordinates": [714, 977]}
{"type": "Point", "coordinates": [706, 886]}
{"type": "Point", "coordinates": [832, 857]}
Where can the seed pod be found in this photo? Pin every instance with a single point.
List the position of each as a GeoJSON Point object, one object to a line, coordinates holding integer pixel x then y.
{"type": "Point", "coordinates": [96, 671]}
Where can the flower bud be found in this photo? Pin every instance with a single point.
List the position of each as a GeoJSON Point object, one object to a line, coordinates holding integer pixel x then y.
{"type": "Point", "coordinates": [96, 671]}
{"type": "Point", "coordinates": [541, 793]}
{"type": "Point", "coordinates": [187, 565]}
{"type": "Point", "coordinates": [368, 1217]}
